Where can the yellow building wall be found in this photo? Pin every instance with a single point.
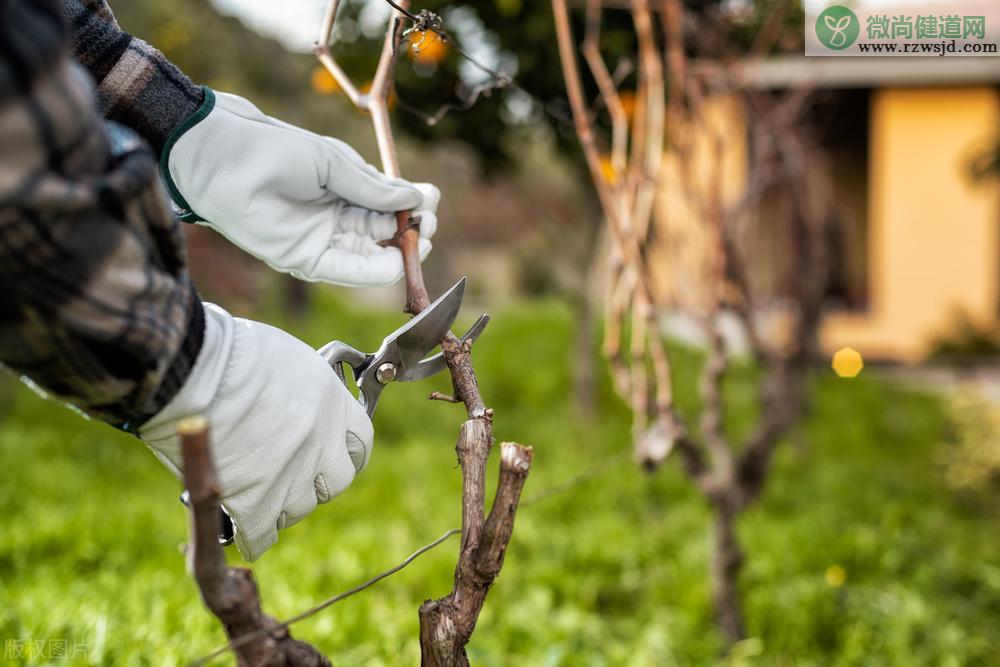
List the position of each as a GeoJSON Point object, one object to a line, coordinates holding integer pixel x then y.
{"type": "Point", "coordinates": [933, 229]}
{"type": "Point", "coordinates": [680, 257]}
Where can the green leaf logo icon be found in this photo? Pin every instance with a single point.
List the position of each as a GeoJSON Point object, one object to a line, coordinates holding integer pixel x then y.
{"type": "Point", "coordinates": [837, 27]}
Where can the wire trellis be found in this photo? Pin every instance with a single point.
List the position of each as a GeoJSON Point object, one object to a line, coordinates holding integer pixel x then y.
{"type": "Point", "coordinates": [557, 489]}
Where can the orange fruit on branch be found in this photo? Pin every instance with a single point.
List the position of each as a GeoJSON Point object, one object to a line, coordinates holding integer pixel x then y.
{"type": "Point", "coordinates": [427, 47]}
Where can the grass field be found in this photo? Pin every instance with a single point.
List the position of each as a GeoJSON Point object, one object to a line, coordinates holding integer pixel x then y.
{"type": "Point", "coordinates": [857, 554]}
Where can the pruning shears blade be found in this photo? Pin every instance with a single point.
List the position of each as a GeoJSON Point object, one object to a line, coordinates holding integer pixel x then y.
{"type": "Point", "coordinates": [424, 332]}
{"type": "Point", "coordinates": [401, 356]}
{"type": "Point", "coordinates": [434, 365]}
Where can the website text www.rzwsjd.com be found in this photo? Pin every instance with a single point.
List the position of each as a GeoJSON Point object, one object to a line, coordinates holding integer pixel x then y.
{"type": "Point", "coordinates": [941, 48]}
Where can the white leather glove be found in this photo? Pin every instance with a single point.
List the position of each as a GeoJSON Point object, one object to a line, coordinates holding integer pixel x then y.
{"type": "Point", "coordinates": [286, 432]}
{"type": "Point", "coordinates": [305, 204]}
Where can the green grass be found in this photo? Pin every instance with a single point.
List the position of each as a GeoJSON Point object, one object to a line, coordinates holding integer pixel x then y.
{"type": "Point", "coordinates": [611, 573]}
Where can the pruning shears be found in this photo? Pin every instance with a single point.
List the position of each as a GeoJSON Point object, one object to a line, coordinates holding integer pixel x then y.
{"type": "Point", "coordinates": [400, 358]}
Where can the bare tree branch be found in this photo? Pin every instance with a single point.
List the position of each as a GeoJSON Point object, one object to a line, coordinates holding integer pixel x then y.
{"type": "Point", "coordinates": [590, 48]}
{"type": "Point", "coordinates": [729, 474]}
{"type": "Point", "coordinates": [446, 624]}
{"type": "Point", "coordinates": [627, 202]}
{"type": "Point", "coordinates": [230, 592]}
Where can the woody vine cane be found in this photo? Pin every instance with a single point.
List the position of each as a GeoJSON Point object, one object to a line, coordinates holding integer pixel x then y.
{"type": "Point", "coordinates": [230, 593]}
{"type": "Point", "coordinates": [729, 472]}
{"type": "Point", "coordinates": [446, 624]}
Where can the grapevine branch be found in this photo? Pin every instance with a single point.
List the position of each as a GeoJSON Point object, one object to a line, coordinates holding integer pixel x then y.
{"type": "Point", "coordinates": [729, 474]}
{"type": "Point", "coordinates": [446, 624]}
{"type": "Point", "coordinates": [230, 592]}
{"type": "Point", "coordinates": [626, 196]}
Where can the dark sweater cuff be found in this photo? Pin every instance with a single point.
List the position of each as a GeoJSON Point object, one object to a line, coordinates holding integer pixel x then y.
{"type": "Point", "coordinates": [179, 369]}
{"type": "Point", "coordinates": [136, 85]}
{"type": "Point", "coordinates": [147, 93]}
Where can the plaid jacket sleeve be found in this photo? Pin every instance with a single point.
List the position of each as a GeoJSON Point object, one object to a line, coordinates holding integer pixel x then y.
{"type": "Point", "coordinates": [96, 305]}
{"type": "Point", "coordinates": [136, 85]}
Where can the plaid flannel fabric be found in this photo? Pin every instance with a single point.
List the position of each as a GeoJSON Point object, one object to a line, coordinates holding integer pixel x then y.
{"type": "Point", "coordinates": [95, 302]}
{"type": "Point", "coordinates": [136, 85]}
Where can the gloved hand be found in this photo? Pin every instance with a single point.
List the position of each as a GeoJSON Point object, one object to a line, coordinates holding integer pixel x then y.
{"type": "Point", "coordinates": [305, 204]}
{"type": "Point", "coordinates": [286, 432]}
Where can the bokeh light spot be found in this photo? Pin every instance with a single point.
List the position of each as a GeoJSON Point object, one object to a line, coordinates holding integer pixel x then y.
{"type": "Point", "coordinates": [847, 362]}
{"type": "Point", "coordinates": [835, 576]}
{"type": "Point", "coordinates": [323, 82]}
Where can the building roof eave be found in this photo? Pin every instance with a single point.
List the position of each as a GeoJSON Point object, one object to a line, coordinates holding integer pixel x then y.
{"type": "Point", "coordinates": [857, 71]}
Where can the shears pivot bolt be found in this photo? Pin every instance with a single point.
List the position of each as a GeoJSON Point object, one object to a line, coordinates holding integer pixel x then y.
{"type": "Point", "coordinates": [385, 373]}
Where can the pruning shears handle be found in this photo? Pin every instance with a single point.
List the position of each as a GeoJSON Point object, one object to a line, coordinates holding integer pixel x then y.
{"type": "Point", "coordinates": [337, 354]}
{"type": "Point", "coordinates": [401, 358]}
